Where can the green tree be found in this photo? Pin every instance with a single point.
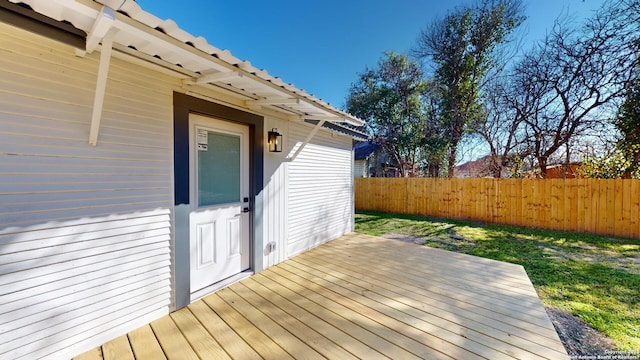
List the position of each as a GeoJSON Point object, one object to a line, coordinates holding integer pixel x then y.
{"type": "Point", "coordinates": [389, 99]}
{"type": "Point", "coordinates": [463, 46]}
{"type": "Point", "coordinates": [614, 165]}
{"type": "Point", "coordinates": [628, 123]}
{"type": "Point", "coordinates": [433, 157]}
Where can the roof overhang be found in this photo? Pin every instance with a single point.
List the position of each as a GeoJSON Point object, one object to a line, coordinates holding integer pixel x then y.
{"type": "Point", "coordinates": [142, 35]}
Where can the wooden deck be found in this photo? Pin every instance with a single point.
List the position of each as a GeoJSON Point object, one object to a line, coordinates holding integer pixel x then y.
{"type": "Point", "coordinates": [358, 297]}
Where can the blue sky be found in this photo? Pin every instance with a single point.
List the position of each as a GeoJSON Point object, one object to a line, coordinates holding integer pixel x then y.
{"type": "Point", "coordinates": [320, 46]}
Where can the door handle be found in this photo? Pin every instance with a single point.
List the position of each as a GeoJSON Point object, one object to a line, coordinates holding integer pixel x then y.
{"type": "Point", "coordinates": [246, 210]}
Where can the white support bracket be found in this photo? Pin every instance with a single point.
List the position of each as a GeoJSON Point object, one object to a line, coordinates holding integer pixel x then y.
{"type": "Point", "coordinates": [101, 86]}
{"type": "Point", "coordinates": [257, 104]}
{"type": "Point", "coordinates": [214, 77]}
{"type": "Point", "coordinates": [306, 141]}
{"type": "Point", "coordinates": [274, 101]}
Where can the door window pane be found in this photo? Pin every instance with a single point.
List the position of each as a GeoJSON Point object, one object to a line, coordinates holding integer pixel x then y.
{"type": "Point", "coordinates": [219, 170]}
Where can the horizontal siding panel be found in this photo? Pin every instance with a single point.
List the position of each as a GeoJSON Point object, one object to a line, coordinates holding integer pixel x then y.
{"type": "Point", "coordinates": [93, 169]}
{"type": "Point", "coordinates": [35, 126]}
{"type": "Point", "coordinates": [26, 144]}
{"type": "Point", "coordinates": [111, 135]}
{"type": "Point", "coordinates": [23, 85]}
{"type": "Point", "coordinates": [42, 49]}
{"type": "Point", "coordinates": [123, 305]}
{"type": "Point", "coordinates": [319, 189]}
{"type": "Point", "coordinates": [86, 231]}
{"type": "Point", "coordinates": [45, 161]}
{"type": "Point", "coordinates": [45, 110]}
{"type": "Point", "coordinates": [98, 331]}
{"type": "Point", "coordinates": [90, 210]}
{"type": "Point", "coordinates": [134, 197]}
{"type": "Point", "coordinates": [52, 313]}
{"type": "Point", "coordinates": [303, 184]}
{"type": "Point", "coordinates": [144, 80]}
{"type": "Point", "coordinates": [15, 325]}
{"type": "Point", "coordinates": [324, 207]}
{"type": "Point", "coordinates": [26, 298]}
{"type": "Point", "coordinates": [121, 184]}
{"type": "Point", "coordinates": [29, 277]}
{"type": "Point", "coordinates": [43, 257]}
{"type": "Point", "coordinates": [81, 225]}
{"type": "Point", "coordinates": [125, 107]}
{"type": "Point", "coordinates": [57, 178]}
{"type": "Point", "coordinates": [20, 71]}
{"type": "Point", "coordinates": [23, 202]}
{"type": "Point", "coordinates": [137, 125]}
{"type": "Point", "coordinates": [21, 125]}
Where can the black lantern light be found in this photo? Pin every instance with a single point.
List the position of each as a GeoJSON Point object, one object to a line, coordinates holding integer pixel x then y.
{"type": "Point", "coordinates": [275, 140]}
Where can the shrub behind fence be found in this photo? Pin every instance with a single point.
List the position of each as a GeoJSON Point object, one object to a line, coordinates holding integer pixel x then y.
{"type": "Point", "coordinates": [599, 206]}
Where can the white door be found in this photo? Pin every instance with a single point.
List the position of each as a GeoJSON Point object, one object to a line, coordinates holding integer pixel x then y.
{"type": "Point", "coordinates": [219, 190]}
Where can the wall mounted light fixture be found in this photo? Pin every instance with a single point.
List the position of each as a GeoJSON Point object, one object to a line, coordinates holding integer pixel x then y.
{"type": "Point", "coordinates": [274, 138]}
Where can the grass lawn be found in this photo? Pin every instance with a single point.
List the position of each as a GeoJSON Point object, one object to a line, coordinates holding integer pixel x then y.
{"type": "Point", "coordinates": [596, 278]}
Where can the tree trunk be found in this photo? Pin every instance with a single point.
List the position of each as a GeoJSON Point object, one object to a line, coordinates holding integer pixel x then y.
{"type": "Point", "coordinates": [542, 164]}
{"type": "Point", "coordinates": [452, 160]}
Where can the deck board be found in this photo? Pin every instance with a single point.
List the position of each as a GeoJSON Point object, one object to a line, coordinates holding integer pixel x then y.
{"type": "Point", "coordinates": [226, 336]}
{"type": "Point", "coordinates": [469, 296]}
{"type": "Point", "coordinates": [200, 340]}
{"type": "Point", "coordinates": [118, 349]}
{"type": "Point", "coordinates": [172, 341]}
{"type": "Point", "coordinates": [306, 316]}
{"type": "Point", "coordinates": [360, 297]}
{"type": "Point", "coordinates": [256, 338]}
{"type": "Point", "coordinates": [145, 345]}
{"type": "Point", "coordinates": [93, 354]}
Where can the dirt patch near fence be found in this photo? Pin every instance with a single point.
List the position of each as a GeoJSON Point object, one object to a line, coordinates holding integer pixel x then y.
{"type": "Point", "coordinates": [578, 338]}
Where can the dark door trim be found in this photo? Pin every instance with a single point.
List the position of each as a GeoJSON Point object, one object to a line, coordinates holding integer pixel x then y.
{"type": "Point", "coordinates": [183, 105]}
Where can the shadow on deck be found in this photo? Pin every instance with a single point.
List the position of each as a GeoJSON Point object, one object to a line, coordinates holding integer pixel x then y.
{"type": "Point", "coordinates": [358, 296]}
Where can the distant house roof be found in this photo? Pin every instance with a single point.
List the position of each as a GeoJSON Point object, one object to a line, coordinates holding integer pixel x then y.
{"type": "Point", "coordinates": [562, 171]}
{"type": "Point", "coordinates": [364, 149]}
{"type": "Point", "coordinates": [477, 168]}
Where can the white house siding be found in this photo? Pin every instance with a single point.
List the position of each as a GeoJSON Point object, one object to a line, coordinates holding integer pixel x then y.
{"type": "Point", "coordinates": [85, 232]}
{"type": "Point", "coordinates": [275, 198]}
{"type": "Point", "coordinates": [360, 168]}
{"type": "Point", "coordinates": [319, 190]}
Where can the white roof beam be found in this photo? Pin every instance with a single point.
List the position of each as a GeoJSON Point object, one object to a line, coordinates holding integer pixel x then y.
{"type": "Point", "coordinates": [275, 101]}
{"type": "Point", "coordinates": [218, 77]}
{"type": "Point", "coordinates": [257, 104]}
{"type": "Point", "coordinates": [348, 120]}
{"type": "Point", "coordinates": [326, 118]}
{"type": "Point", "coordinates": [354, 121]}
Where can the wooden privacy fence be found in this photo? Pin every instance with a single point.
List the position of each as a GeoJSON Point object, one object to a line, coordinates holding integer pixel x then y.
{"type": "Point", "coordinates": [599, 206]}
